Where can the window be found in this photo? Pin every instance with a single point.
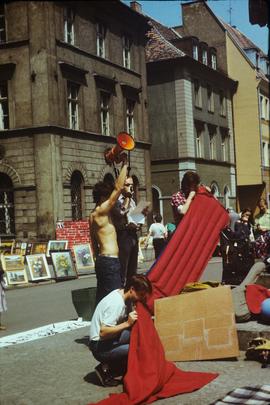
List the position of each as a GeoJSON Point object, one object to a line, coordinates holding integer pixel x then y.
{"type": "Point", "coordinates": [69, 26]}
{"type": "Point", "coordinates": [4, 120]}
{"type": "Point", "coordinates": [222, 104]}
{"type": "Point", "coordinates": [262, 111]}
{"type": "Point", "coordinates": [101, 33]}
{"type": "Point", "coordinates": [2, 24]}
{"type": "Point", "coordinates": [265, 147]}
{"type": "Point", "coordinates": [266, 108]}
{"type": "Point", "coordinates": [210, 99]}
{"type": "Point", "coordinates": [212, 145]}
{"type": "Point", "coordinates": [130, 117]}
{"type": "Point", "coordinates": [7, 223]}
{"type": "Point", "coordinates": [224, 147]}
{"type": "Point", "coordinates": [214, 189]}
{"type": "Point", "coordinates": [213, 61]}
{"type": "Point", "coordinates": [204, 57]}
{"type": "Point", "coordinates": [104, 112]}
{"type": "Point", "coordinates": [77, 188]}
{"type": "Point", "coordinates": [126, 52]}
{"type": "Point", "coordinates": [197, 94]}
{"type": "Point", "coordinates": [199, 144]}
{"type": "Point", "coordinates": [73, 110]}
{"type": "Point", "coordinates": [195, 52]}
{"type": "Point", "coordinates": [226, 200]}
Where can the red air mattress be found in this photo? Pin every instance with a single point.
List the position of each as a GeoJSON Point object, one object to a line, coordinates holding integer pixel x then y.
{"type": "Point", "coordinates": [190, 248]}
{"type": "Point", "coordinates": [150, 376]}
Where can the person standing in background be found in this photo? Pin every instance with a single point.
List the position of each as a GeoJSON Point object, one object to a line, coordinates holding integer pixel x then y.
{"type": "Point", "coordinates": [3, 302]}
{"type": "Point", "coordinates": [126, 229]}
{"type": "Point", "coordinates": [262, 220]}
{"type": "Point", "coordinates": [159, 234]}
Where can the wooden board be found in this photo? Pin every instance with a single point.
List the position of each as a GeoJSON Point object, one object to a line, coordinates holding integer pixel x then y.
{"type": "Point", "coordinates": [197, 326]}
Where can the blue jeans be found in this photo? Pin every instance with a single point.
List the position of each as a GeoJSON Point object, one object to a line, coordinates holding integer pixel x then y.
{"type": "Point", "coordinates": [113, 352]}
{"type": "Point", "coordinates": [108, 276]}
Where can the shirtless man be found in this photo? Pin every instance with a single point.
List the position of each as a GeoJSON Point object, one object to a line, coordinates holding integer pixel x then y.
{"type": "Point", "coordinates": [103, 235]}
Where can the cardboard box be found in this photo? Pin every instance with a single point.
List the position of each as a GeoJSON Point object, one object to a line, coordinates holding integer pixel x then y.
{"type": "Point", "coordinates": [197, 326]}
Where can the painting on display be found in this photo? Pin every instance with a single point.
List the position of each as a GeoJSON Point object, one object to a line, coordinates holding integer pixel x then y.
{"type": "Point", "coordinates": [55, 245]}
{"type": "Point", "coordinates": [38, 267]}
{"type": "Point", "coordinates": [83, 257]}
{"type": "Point", "coordinates": [16, 276]}
{"type": "Point", "coordinates": [6, 246]}
{"type": "Point", "coordinates": [63, 265]}
{"type": "Point", "coordinates": [39, 247]}
{"type": "Point", "coordinates": [12, 262]}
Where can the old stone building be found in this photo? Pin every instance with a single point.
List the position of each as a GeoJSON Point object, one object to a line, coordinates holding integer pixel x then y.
{"type": "Point", "coordinates": [245, 63]}
{"type": "Point", "coordinates": [72, 76]}
{"type": "Point", "coordinates": [190, 116]}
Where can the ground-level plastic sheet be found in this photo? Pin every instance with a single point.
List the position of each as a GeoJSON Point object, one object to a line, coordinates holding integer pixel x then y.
{"type": "Point", "coordinates": [149, 376]}
{"type": "Point", "coordinates": [192, 245]}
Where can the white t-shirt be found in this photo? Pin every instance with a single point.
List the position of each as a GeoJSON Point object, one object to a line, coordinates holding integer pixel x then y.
{"type": "Point", "coordinates": [157, 230]}
{"type": "Point", "coordinates": [110, 311]}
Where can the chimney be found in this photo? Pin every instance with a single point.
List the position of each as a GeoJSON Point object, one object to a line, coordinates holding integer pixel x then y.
{"type": "Point", "coordinates": [134, 5]}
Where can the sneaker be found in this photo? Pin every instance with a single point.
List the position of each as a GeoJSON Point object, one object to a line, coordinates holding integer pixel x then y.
{"type": "Point", "coordinates": [2, 327]}
{"type": "Point", "coordinates": [103, 373]}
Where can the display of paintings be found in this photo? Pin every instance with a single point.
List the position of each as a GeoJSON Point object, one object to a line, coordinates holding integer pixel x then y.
{"type": "Point", "coordinates": [63, 264]}
{"type": "Point", "coordinates": [56, 245]}
{"type": "Point", "coordinates": [16, 276]}
{"type": "Point", "coordinates": [6, 246]}
{"type": "Point", "coordinates": [39, 247]}
{"type": "Point", "coordinates": [38, 267]}
{"type": "Point", "coordinates": [83, 257]}
{"type": "Point", "coordinates": [22, 248]}
{"type": "Point", "coordinates": [12, 262]}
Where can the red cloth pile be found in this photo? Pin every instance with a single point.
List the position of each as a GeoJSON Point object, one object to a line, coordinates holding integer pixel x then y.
{"type": "Point", "coordinates": [255, 295]}
{"type": "Point", "coordinates": [190, 248]}
{"type": "Point", "coordinates": [150, 376]}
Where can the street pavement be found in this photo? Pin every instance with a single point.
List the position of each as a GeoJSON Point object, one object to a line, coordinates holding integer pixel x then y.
{"type": "Point", "coordinates": [59, 369]}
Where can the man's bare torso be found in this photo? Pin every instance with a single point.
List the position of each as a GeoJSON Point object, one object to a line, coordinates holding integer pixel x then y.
{"type": "Point", "coordinates": [103, 232]}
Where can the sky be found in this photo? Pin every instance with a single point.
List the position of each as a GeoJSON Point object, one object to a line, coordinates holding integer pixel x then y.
{"type": "Point", "coordinates": [168, 13]}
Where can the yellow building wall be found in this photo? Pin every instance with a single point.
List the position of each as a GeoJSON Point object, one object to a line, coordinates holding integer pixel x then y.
{"type": "Point", "coordinates": [246, 117]}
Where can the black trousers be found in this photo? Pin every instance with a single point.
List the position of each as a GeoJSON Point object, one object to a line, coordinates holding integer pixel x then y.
{"type": "Point", "coordinates": [128, 253]}
{"type": "Point", "coordinates": [159, 244]}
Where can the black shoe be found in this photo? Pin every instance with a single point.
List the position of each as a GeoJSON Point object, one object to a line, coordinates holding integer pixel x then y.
{"type": "Point", "coordinates": [105, 377]}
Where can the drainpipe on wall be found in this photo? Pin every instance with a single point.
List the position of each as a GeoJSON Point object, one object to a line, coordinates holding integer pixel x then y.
{"type": "Point", "coordinates": [260, 130]}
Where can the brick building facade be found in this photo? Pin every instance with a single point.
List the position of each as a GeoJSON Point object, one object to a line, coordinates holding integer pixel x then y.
{"type": "Point", "coordinates": [72, 76]}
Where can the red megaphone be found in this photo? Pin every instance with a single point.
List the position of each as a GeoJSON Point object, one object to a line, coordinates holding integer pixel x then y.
{"type": "Point", "coordinates": [124, 142]}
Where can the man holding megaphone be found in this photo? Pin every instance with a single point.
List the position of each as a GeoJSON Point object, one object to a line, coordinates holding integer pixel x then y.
{"type": "Point", "coordinates": [103, 234]}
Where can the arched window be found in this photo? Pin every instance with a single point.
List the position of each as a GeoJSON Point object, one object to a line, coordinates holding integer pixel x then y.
{"type": "Point", "coordinates": [156, 205]}
{"type": "Point", "coordinates": [7, 223]}
{"type": "Point", "coordinates": [226, 197]}
{"type": "Point", "coordinates": [77, 195]}
{"type": "Point", "coordinates": [214, 189]}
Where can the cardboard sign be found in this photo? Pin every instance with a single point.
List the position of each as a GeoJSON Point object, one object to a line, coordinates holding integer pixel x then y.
{"type": "Point", "coordinates": [197, 326]}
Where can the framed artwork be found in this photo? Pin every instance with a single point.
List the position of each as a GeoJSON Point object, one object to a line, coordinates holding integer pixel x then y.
{"type": "Point", "coordinates": [17, 247]}
{"type": "Point", "coordinates": [83, 257]}
{"type": "Point", "coordinates": [63, 264]}
{"type": "Point", "coordinates": [16, 276]}
{"type": "Point", "coordinates": [38, 267]}
{"type": "Point", "coordinates": [39, 247]}
{"type": "Point", "coordinates": [12, 262]}
{"type": "Point", "coordinates": [6, 246]}
{"type": "Point", "coordinates": [56, 245]}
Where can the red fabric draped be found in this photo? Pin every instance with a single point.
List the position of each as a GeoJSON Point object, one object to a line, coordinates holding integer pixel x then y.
{"type": "Point", "coordinates": [190, 248]}
{"type": "Point", "coordinates": [255, 295]}
{"type": "Point", "coordinates": [150, 376]}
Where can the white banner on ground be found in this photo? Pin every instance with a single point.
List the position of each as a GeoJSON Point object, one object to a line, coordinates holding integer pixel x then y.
{"type": "Point", "coordinates": [42, 332]}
